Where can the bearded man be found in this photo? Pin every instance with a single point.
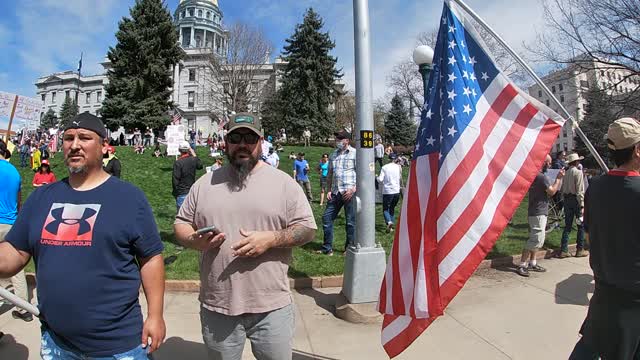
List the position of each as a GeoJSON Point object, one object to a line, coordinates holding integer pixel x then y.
{"type": "Point", "coordinates": [259, 214]}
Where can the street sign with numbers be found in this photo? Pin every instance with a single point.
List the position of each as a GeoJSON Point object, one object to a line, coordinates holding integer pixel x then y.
{"type": "Point", "coordinates": [366, 139]}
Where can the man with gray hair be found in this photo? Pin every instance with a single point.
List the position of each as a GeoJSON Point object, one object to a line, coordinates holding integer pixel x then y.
{"type": "Point", "coordinates": [184, 172]}
{"type": "Point", "coordinates": [611, 329]}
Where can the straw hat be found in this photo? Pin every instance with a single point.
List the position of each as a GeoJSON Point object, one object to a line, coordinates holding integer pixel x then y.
{"type": "Point", "coordinates": [574, 157]}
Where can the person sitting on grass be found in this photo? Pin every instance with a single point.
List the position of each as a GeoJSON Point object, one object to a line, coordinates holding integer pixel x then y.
{"type": "Point", "coordinates": [292, 156]}
{"type": "Point", "coordinates": [44, 175]}
{"type": "Point", "coordinates": [157, 152]}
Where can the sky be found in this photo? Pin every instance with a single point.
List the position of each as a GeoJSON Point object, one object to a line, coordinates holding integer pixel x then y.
{"type": "Point", "coordinates": [40, 37]}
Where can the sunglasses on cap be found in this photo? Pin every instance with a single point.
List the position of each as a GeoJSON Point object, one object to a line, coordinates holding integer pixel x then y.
{"type": "Point", "coordinates": [237, 138]}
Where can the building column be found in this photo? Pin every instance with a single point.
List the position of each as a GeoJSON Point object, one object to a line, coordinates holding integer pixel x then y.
{"type": "Point", "coordinates": [193, 37]}
{"type": "Point", "coordinates": [215, 41]}
{"type": "Point", "coordinates": [180, 39]}
{"type": "Point", "coordinates": [205, 39]}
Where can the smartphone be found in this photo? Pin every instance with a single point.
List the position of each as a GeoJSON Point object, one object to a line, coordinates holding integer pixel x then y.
{"type": "Point", "coordinates": [211, 229]}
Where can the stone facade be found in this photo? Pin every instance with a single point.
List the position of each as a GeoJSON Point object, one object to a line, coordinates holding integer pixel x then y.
{"type": "Point", "coordinates": [570, 86]}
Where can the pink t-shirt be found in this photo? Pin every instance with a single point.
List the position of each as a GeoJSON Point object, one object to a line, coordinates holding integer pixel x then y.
{"type": "Point", "coordinates": [271, 201]}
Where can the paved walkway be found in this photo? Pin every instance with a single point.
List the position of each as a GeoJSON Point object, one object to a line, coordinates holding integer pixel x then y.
{"type": "Point", "coordinates": [498, 315]}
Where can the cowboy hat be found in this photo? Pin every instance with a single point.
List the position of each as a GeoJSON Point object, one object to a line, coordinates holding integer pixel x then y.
{"type": "Point", "coordinates": [574, 157]}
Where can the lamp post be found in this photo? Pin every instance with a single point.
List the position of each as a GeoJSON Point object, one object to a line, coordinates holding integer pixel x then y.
{"type": "Point", "coordinates": [423, 57]}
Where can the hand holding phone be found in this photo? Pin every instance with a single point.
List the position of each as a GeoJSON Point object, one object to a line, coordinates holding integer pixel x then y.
{"type": "Point", "coordinates": [211, 229]}
{"type": "Point", "coordinates": [207, 238]}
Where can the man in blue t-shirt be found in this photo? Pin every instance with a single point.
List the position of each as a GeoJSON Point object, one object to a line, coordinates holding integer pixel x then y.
{"type": "Point", "coordinates": [300, 173]}
{"type": "Point", "coordinates": [87, 234]}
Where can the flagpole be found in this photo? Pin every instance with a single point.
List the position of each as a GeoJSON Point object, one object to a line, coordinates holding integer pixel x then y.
{"type": "Point", "coordinates": [13, 112]}
{"type": "Point", "coordinates": [528, 69]}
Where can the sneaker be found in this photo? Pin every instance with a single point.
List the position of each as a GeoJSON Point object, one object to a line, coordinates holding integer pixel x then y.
{"type": "Point", "coordinates": [563, 255]}
{"type": "Point", "coordinates": [582, 253]}
{"type": "Point", "coordinates": [537, 268]}
{"type": "Point", "coordinates": [522, 271]}
{"type": "Point", "coordinates": [322, 252]}
{"type": "Point", "coordinates": [26, 316]}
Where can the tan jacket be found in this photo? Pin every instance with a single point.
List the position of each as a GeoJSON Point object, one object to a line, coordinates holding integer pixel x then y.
{"type": "Point", "coordinates": [573, 183]}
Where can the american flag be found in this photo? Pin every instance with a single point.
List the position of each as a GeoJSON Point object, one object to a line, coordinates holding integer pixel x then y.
{"type": "Point", "coordinates": [175, 120]}
{"type": "Point", "coordinates": [480, 144]}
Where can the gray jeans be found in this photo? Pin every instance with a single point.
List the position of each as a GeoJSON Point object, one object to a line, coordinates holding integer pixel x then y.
{"type": "Point", "coordinates": [19, 281]}
{"type": "Point", "coordinates": [270, 334]}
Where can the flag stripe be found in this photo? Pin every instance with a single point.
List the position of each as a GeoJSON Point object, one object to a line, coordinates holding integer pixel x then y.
{"type": "Point", "coordinates": [476, 153]}
{"type": "Point", "coordinates": [495, 168]}
{"type": "Point", "coordinates": [506, 178]}
{"type": "Point", "coordinates": [512, 198]}
{"type": "Point", "coordinates": [431, 244]}
{"type": "Point", "coordinates": [405, 335]}
{"type": "Point", "coordinates": [415, 235]}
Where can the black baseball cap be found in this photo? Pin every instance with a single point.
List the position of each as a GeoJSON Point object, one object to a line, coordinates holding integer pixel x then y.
{"type": "Point", "coordinates": [88, 122]}
{"type": "Point", "coordinates": [3, 150]}
{"type": "Point", "coordinates": [342, 134]}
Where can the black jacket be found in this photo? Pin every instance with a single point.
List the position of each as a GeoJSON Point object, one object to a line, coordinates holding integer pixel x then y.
{"type": "Point", "coordinates": [113, 167]}
{"type": "Point", "coordinates": [184, 174]}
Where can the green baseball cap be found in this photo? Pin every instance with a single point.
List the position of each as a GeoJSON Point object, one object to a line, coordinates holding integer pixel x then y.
{"type": "Point", "coordinates": [247, 121]}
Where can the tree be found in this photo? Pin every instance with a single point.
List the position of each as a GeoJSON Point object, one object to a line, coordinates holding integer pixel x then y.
{"type": "Point", "coordinates": [233, 83]}
{"type": "Point", "coordinates": [346, 111]}
{"type": "Point", "coordinates": [69, 111]}
{"type": "Point", "coordinates": [399, 128]}
{"type": "Point", "coordinates": [138, 91]}
{"type": "Point", "coordinates": [599, 115]}
{"type": "Point", "coordinates": [308, 79]}
{"type": "Point", "coordinates": [49, 120]}
{"type": "Point", "coordinates": [582, 33]}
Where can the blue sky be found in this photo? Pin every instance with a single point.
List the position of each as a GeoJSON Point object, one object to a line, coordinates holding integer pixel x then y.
{"type": "Point", "coordinates": [39, 37]}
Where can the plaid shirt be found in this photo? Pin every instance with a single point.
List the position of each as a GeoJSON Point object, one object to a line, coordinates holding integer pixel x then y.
{"type": "Point", "coordinates": [343, 167]}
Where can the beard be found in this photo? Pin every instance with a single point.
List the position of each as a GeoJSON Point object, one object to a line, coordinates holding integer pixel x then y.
{"type": "Point", "coordinates": [240, 169]}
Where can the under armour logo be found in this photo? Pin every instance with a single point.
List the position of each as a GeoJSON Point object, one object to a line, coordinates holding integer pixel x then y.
{"type": "Point", "coordinates": [85, 227]}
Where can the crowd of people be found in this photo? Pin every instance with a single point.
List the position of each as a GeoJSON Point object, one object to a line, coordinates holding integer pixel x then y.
{"type": "Point", "coordinates": [246, 245]}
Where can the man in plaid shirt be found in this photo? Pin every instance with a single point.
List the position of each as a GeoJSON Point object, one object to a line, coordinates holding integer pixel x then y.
{"type": "Point", "coordinates": [341, 181]}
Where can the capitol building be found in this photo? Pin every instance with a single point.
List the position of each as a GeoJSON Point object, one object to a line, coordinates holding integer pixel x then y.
{"type": "Point", "coordinates": [195, 84]}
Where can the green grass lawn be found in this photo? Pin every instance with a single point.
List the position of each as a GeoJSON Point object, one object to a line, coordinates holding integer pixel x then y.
{"type": "Point", "coordinates": [153, 176]}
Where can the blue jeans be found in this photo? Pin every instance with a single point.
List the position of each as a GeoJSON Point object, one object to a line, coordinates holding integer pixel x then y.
{"type": "Point", "coordinates": [389, 203]}
{"type": "Point", "coordinates": [179, 201]}
{"type": "Point", "coordinates": [50, 350]}
{"type": "Point", "coordinates": [23, 159]}
{"type": "Point", "coordinates": [571, 212]}
{"type": "Point", "coordinates": [331, 213]}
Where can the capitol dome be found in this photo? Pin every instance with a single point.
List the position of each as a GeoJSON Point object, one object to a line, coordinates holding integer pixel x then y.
{"type": "Point", "coordinates": [200, 25]}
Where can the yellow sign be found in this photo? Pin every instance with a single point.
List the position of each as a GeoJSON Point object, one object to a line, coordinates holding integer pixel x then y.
{"type": "Point", "coordinates": [366, 139]}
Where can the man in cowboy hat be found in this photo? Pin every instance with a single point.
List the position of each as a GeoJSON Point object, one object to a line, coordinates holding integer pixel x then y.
{"type": "Point", "coordinates": [573, 191]}
{"type": "Point", "coordinates": [611, 329]}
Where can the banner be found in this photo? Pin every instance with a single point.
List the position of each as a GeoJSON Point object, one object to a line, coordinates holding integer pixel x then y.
{"type": "Point", "coordinates": [6, 103]}
{"type": "Point", "coordinates": [174, 135]}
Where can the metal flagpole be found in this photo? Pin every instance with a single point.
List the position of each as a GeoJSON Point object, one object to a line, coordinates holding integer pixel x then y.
{"type": "Point", "coordinates": [17, 301]}
{"type": "Point", "coordinates": [365, 261]}
{"type": "Point", "coordinates": [581, 134]}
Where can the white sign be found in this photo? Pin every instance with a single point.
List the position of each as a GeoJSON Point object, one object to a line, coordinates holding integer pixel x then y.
{"type": "Point", "coordinates": [6, 103]}
{"type": "Point", "coordinates": [174, 135]}
{"type": "Point", "coordinates": [552, 174]}
{"type": "Point", "coordinates": [28, 109]}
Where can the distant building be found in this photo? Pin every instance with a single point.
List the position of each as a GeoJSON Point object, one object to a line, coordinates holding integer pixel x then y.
{"type": "Point", "coordinates": [570, 86]}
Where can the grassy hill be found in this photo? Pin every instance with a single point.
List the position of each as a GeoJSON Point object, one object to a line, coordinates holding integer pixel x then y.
{"type": "Point", "coordinates": [153, 176]}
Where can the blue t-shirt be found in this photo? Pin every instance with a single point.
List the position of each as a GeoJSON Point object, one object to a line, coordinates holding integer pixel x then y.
{"type": "Point", "coordinates": [324, 167]}
{"type": "Point", "coordinates": [9, 192]}
{"type": "Point", "coordinates": [300, 166]}
{"type": "Point", "coordinates": [84, 245]}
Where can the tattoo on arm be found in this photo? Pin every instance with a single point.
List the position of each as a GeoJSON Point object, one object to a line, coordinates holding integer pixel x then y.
{"type": "Point", "coordinates": [293, 236]}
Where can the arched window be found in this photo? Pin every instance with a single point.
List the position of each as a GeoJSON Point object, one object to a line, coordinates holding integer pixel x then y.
{"type": "Point", "coordinates": [199, 13]}
{"type": "Point", "coordinates": [208, 15]}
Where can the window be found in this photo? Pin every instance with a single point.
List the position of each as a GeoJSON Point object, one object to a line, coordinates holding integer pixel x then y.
{"type": "Point", "coordinates": [199, 13]}
{"type": "Point", "coordinates": [191, 98]}
{"type": "Point", "coordinates": [547, 102]}
{"type": "Point", "coordinates": [99, 96]}
{"type": "Point", "coordinates": [560, 87]}
{"type": "Point", "coordinates": [183, 14]}
{"type": "Point", "coordinates": [539, 93]}
{"type": "Point", "coordinates": [584, 84]}
{"type": "Point", "coordinates": [561, 98]}
{"type": "Point", "coordinates": [566, 147]}
{"type": "Point", "coordinates": [601, 72]}
{"type": "Point", "coordinates": [44, 97]}
{"type": "Point", "coordinates": [88, 98]}
{"type": "Point", "coordinates": [192, 74]}
{"type": "Point", "coordinates": [66, 94]}
{"type": "Point", "coordinates": [191, 11]}
{"type": "Point", "coordinates": [619, 77]}
{"type": "Point", "coordinates": [208, 15]}
{"type": "Point", "coordinates": [553, 89]}
{"type": "Point", "coordinates": [557, 147]}
{"type": "Point", "coordinates": [53, 97]}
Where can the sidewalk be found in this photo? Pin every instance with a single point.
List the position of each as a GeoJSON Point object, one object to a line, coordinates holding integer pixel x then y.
{"type": "Point", "coordinates": [496, 316]}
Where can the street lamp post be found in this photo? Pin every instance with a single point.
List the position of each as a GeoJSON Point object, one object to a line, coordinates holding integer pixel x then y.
{"type": "Point", "coordinates": [423, 57]}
